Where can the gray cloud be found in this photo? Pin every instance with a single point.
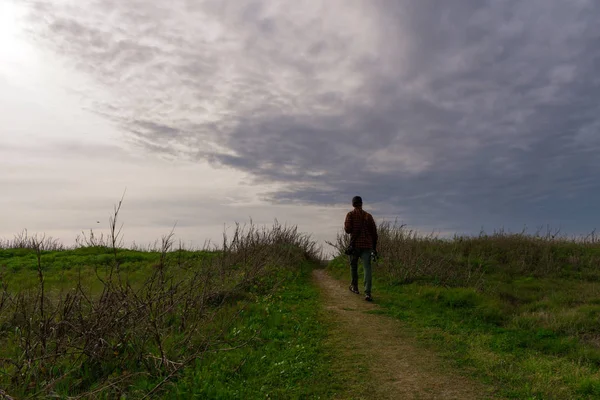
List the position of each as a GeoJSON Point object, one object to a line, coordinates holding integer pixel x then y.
{"type": "Point", "coordinates": [448, 115]}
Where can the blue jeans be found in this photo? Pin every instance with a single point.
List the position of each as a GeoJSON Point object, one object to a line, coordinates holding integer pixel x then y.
{"type": "Point", "coordinates": [365, 256]}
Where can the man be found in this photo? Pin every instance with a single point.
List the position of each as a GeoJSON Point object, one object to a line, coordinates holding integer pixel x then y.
{"type": "Point", "coordinates": [361, 227]}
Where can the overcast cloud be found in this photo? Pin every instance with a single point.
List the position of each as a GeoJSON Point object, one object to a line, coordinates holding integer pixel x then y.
{"type": "Point", "coordinates": [448, 115]}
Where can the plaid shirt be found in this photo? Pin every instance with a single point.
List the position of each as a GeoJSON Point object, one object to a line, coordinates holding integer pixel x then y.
{"type": "Point", "coordinates": [367, 238]}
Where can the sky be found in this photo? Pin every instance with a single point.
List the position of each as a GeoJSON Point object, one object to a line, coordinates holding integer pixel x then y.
{"type": "Point", "coordinates": [450, 117]}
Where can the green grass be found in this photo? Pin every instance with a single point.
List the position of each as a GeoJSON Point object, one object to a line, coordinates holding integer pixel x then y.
{"type": "Point", "coordinates": [267, 341]}
{"type": "Point", "coordinates": [520, 314]}
{"type": "Point", "coordinates": [18, 267]}
{"type": "Point", "coordinates": [285, 358]}
{"type": "Point", "coordinates": [531, 337]}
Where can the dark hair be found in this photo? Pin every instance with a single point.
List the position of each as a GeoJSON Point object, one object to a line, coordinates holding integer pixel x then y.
{"type": "Point", "coordinates": [357, 201]}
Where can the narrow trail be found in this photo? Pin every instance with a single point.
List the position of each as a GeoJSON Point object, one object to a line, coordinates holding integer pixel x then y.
{"type": "Point", "coordinates": [397, 368]}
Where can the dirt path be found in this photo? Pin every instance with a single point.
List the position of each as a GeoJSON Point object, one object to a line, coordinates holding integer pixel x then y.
{"type": "Point", "coordinates": [375, 344]}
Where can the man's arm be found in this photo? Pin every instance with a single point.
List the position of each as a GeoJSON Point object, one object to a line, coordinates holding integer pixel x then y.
{"type": "Point", "coordinates": [374, 235]}
{"type": "Point", "coordinates": [348, 225]}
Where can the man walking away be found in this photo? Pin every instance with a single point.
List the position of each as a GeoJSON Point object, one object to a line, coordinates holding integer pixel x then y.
{"type": "Point", "coordinates": [361, 227]}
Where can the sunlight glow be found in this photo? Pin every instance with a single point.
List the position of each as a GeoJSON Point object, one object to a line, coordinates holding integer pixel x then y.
{"type": "Point", "coordinates": [14, 51]}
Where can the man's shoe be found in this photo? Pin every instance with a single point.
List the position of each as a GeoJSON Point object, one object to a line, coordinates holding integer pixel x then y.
{"type": "Point", "coordinates": [354, 289]}
{"type": "Point", "coordinates": [368, 297]}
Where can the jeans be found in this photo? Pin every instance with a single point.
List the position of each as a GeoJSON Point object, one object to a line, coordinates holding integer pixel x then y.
{"type": "Point", "coordinates": [365, 255]}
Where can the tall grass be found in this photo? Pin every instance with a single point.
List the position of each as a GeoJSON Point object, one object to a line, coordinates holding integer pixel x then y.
{"type": "Point", "coordinates": [407, 256]}
{"type": "Point", "coordinates": [95, 340]}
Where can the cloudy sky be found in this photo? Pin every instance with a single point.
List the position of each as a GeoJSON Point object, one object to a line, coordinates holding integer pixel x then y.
{"type": "Point", "coordinates": [449, 116]}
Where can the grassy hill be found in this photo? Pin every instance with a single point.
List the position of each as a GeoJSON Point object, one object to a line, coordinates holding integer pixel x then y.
{"type": "Point", "coordinates": [518, 312]}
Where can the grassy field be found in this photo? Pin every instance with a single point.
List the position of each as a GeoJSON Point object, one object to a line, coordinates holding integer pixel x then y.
{"type": "Point", "coordinates": [518, 312]}
{"type": "Point", "coordinates": [101, 322]}
{"type": "Point", "coordinates": [521, 312]}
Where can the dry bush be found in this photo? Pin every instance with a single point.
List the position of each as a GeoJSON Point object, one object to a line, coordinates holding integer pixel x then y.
{"type": "Point", "coordinates": [101, 342]}
{"type": "Point", "coordinates": [536, 254]}
{"type": "Point", "coordinates": [23, 240]}
{"type": "Point", "coordinates": [406, 256]}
